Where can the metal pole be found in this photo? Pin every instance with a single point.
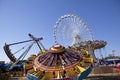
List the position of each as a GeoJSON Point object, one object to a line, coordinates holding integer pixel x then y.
{"type": "Point", "coordinates": [36, 40]}
{"type": "Point", "coordinates": [24, 41]}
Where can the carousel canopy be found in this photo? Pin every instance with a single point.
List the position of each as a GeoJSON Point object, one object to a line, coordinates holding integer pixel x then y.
{"type": "Point", "coordinates": [95, 44]}
{"type": "Point", "coordinates": [57, 58]}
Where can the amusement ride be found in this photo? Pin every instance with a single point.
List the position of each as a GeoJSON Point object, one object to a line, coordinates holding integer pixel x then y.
{"type": "Point", "coordinates": [71, 58]}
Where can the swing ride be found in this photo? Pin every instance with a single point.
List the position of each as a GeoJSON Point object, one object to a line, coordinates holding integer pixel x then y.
{"type": "Point", "coordinates": [71, 57]}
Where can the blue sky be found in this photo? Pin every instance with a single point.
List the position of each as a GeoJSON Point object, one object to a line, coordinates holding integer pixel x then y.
{"type": "Point", "coordinates": [20, 17]}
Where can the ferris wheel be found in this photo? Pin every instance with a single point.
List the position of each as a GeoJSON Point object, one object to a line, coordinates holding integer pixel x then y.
{"type": "Point", "coordinates": [71, 29]}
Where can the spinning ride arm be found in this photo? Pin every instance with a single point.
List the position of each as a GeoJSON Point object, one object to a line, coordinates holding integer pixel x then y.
{"type": "Point", "coordinates": [10, 54]}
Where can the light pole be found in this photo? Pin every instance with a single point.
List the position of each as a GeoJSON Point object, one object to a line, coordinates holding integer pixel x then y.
{"type": "Point", "coordinates": [113, 52]}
